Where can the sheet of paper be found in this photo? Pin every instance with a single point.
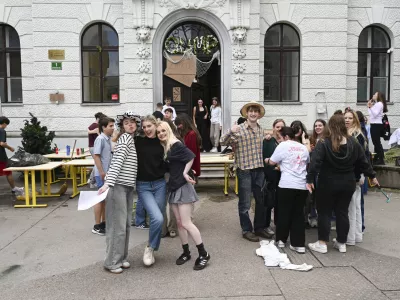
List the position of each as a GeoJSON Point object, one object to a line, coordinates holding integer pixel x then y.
{"type": "Point", "coordinates": [87, 199]}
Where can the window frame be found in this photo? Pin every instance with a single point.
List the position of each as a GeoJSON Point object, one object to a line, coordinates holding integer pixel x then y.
{"type": "Point", "coordinates": [374, 50]}
{"type": "Point", "coordinates": [99, 49]}
{"type": "Point", "coordinates": [6, 50]}
{"type": "Point", "coordinates": [281, 49]}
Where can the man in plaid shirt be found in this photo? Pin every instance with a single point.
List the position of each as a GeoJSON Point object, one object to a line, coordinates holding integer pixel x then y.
{"type": "Point", "coordinates": [246, 139]}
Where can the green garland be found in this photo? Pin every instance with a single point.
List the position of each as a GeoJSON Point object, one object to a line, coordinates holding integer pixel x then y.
{"type": "Point", "coordinates": [176, 45]}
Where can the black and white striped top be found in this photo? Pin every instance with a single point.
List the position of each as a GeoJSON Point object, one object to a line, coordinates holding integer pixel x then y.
{"type": "Point", "coordinates": [123, 169]}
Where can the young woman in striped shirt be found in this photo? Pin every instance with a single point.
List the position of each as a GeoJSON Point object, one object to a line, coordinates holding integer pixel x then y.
{"type": "Point", "coordinates": [120, 179]}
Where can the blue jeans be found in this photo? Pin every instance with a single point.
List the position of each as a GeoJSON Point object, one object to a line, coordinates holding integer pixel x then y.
{"type": "Point", "coordinates": [251, 181]}
{"type": "Point", "coordinates": [99, 181]}
{"type": "Point", "coordinates": [140, 214]}
{"type": "Point", "coordinates": [153, 195]}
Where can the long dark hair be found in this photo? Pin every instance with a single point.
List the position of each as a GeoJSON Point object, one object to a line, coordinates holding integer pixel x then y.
{"type": "Point", "coordinates": [314, 137]}
{"type": "Point", "coordinates": [187, 125]}
{"type": "Point", "coordinates": [337, 131]}
{"type": "Point", "coordinates": [381, 98]}
{"type": "Point", "coordinates": [297, 126]}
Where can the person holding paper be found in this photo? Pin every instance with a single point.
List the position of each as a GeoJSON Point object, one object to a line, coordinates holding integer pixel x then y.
{"type": "Point", "coordinates": [120, 180]}
{"type": "Point", "coordinates": [102, 160]}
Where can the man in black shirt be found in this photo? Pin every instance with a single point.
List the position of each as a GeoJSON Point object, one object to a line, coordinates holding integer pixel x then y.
{"type": "Point", "coordinates": [158, 113]}
{"type": "Point", "coordinates": [3, 156]}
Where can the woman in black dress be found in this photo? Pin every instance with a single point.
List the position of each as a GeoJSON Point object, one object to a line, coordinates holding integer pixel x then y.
{"type": "Point", "coordinates": [200, 119]}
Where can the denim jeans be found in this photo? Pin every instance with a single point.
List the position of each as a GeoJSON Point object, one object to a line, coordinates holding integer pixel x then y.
{"type": "Point", "coordinates": [153, 198]}
{"type": "Point", "coordinates": [140, 213]}
{"type": "Point", "coordinates": [99, 181]}
{"type": "Point", "coordinates": [251, 181]}
{"type": "Point", "coordinates": [119, 202]}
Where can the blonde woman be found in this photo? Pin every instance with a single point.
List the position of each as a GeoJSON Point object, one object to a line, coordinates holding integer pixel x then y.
{"type": "Point", "coordinates": [181, 193]}
{"type": "Point", "coordinates": [355, 232]}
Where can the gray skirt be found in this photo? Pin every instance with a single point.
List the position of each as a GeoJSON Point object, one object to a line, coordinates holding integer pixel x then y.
{"type": "Point", "coordinates": [185, 194]}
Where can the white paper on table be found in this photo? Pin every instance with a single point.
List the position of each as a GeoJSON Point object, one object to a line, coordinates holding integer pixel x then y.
{"type": "Point", "coordinates": [87, 199]}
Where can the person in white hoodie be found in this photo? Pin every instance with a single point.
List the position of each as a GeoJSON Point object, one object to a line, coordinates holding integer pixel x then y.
{"type": "Point", "coordinates": [216, 123]}
{"type": "Point", "coordinates": [376, 108]}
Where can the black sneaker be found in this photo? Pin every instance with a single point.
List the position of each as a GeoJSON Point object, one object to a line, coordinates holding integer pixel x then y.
{"type": "Point", "coordinates": [98, 230]}
{"type": "Point", "coordinates": [251, 237]}
{"type": "Point", "coordinates": [103, 225]}
{"type": "Point", "coordinates": [201, 262]}
{"type": "Point", "coordinates": [263, 234]}
{"type": "Point", "coordinates": [183, 258]}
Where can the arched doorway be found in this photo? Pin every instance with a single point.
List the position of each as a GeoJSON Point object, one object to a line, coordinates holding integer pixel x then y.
{"type": "Point", "coordinates": [191, 47]}
{"type": "Point", "coordinates": [171, 21]}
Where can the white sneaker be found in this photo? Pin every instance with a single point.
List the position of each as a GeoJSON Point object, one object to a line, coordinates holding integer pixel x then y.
{"type": "Point", "coordinates": [148, 256]}
{"type": "Point", "coordinates": [341, 247]}
{"type": "Point", "coordinates": [281, 244]}
{"type": "Point", "coordinates": [18, 191]}
{"type": "Point", "coordinates": [116, 271]}
{"type": "Point", "coordinates": [298, 249]}
{"type": "Point", "coordinates": [317, 247]}
{"type": "Point", "coordinates": [214, 150]}
{"type": "Point", "coordinates": [270, 231]}
{"type": "Point", "coordinates": [313, 223]}
{"type": "Point", "coordinates": [126, 265]}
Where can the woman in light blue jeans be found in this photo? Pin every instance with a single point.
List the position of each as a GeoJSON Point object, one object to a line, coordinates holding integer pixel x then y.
{"type": "Point", "coordinates": [151, 185]}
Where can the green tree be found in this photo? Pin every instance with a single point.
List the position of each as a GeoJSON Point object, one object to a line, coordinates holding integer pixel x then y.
{"type": "Point", "coordinates": [36, 139]}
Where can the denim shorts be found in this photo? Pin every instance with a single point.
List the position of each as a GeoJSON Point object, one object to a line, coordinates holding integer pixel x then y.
{"type": "Point", "coordinates": [99, 181]}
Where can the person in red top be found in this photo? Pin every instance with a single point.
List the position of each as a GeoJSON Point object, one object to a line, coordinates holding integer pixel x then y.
{"type": "Point", "coordinates": [192, 139]}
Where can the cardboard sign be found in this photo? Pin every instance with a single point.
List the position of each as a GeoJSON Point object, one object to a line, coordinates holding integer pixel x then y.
{"type": "Point", "coordinates": [184, 71]}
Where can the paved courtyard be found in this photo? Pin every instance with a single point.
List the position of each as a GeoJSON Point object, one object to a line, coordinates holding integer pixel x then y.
{"type": "Point", "coordinates": [50, 253]}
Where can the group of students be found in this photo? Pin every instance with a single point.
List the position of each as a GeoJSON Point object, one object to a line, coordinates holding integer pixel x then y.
{"type": "Point", "coordinates": [146, 149]}
{"type": "Point", "coordinates": [284, 168]}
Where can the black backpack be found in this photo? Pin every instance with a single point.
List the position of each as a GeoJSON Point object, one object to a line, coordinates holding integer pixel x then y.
{"type": "Point", "coordinates": [386, 128]}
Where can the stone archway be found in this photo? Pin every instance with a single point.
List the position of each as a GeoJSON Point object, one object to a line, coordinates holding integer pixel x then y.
{"type": "Point", "coordinates": [212, 21]}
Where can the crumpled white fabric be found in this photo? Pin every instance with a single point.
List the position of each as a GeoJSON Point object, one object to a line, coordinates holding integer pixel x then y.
{"type": "Point", "coordinates": [273, 258]}
{"type": "Point", "coordinates": [395, 137]}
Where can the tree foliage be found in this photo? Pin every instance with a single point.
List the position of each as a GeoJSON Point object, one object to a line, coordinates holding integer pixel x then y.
{"type": "Point", "coordinates": [36, 139]}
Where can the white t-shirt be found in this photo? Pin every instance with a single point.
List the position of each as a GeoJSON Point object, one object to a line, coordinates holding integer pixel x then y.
{"type": "Point", "coordinates": [293, 158]}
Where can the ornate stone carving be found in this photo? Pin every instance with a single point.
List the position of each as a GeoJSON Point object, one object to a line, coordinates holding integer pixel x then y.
{"type": "Point", "coordinates": [143, 52]}
{"type": "Point", "coordinates": [239, 53]}
{"type": "Point", "coordinates": [239, 67]}
{"type": "Point", "coordinates": [212, 5]}
{"type": "Point", "coordinates": [143, 34]}
{"type": "Point", "coordinates": [144, 79]}
{"type": "Point", "coordinates": [239, 79]}
{"type": "Point", "coordinates": [239, 34]}
{"type": "Point", "coordinates": [143, 13]}
{"type": "Point", "coordinates": [239, 13]}
{"type": "Point", "coordinates": [144, 67]}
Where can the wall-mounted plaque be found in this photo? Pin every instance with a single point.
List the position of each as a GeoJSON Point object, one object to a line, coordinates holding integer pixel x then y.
{"type": "Point", "coordinates": [176, 94]}
{"type": "Point", "coordinates": [57, 54]}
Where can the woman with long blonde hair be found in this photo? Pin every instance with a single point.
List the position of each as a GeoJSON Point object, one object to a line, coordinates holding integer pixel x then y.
{"type": "Point", "coordinates": [181, 194]}
{"type": "Point", "coordinates": [355, 231]}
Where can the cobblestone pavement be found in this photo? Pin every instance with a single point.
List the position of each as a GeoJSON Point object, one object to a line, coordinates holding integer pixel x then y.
{"type": "Point", "coordinates": [50, 253]}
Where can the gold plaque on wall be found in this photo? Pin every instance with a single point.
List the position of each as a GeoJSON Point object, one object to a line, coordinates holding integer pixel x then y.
{"type": "Point", "coordinates": [176, 94]}
{"type": "Point", "coordinates": [57, 54]}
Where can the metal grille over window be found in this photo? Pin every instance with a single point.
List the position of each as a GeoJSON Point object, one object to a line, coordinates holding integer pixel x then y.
{"type": "Point", "coordinates": [373, 70]}
{"type": "Point", "coordinates": [281, 63]}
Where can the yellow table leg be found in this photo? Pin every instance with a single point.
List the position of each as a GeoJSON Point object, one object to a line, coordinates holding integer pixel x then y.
{"type": "Point", "coordinates": [54, 179]}
{"type": "Point", "coordinates": [42, 183]}
{"type": "Point", "coordinates": [236, 184]}
{"type": "Point", "coordinates": [226, 179]}
{"type": "Point", "coordinates": [49, 186]}
{"type": "Point", "coordinates": [48, 193]}
{"type": "Point", "coordinates": [83, 176]}
{"type": "Point", "coordinates": [33, 182]}
{"type": "Point", "coordinates": [75, 191]}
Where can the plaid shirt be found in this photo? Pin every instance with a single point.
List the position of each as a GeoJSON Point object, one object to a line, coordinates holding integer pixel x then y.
{"type": "Point", "coordinates": [247, 145]}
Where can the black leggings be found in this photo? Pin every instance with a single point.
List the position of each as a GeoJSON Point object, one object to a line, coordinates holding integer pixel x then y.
{"type": "Point", "coordinates": [334, 195]}
{"type": "Point", "coordinates": [376, 132]}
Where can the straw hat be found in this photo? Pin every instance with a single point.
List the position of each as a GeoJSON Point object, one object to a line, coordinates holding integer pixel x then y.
{"type": "Point", "coordinates": [243, 111]}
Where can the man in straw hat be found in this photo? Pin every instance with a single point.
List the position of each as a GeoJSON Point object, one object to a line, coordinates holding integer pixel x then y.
{"type": "Point", "coordinates": [247, 140]}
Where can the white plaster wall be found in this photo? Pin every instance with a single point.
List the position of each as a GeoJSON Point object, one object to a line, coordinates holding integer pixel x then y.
{"type": "Point", "coordinates": [385, 13]}
{"type": "Point", "coordinates": [322, 26]}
